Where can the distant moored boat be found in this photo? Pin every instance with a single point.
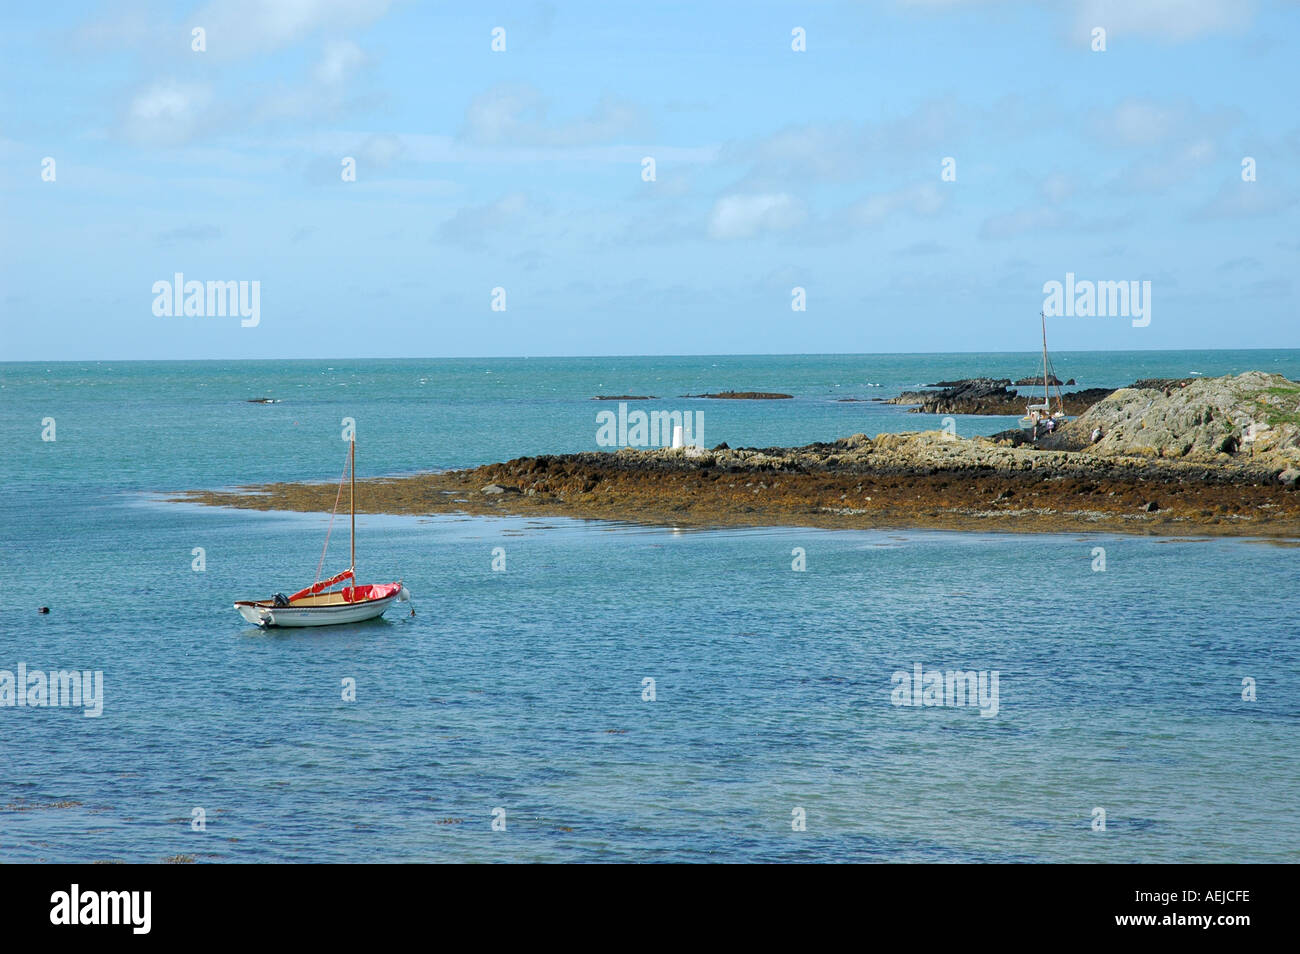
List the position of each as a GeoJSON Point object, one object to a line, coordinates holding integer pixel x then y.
{"type": "Point", "coordinates": [1036, 414]}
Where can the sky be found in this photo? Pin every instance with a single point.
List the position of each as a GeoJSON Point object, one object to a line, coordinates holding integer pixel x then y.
{"type": "Point", "coordinates": [919, 168]}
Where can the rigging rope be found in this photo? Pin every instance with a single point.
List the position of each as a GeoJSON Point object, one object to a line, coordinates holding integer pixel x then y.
{"type": "Point", "coordinates": [337, 498]}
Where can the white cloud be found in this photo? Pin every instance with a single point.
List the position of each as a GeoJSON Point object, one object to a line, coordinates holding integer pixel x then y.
{"type": "Point", "coordinates": [1043, 218]}
{"type": "Point", "coordinates": [238, 28]}
{"type": "Point", "coordinates": [1021, 221]}
{"type": "Point", "coordinates": [743, 216]}
{"type": "Point", "coordinates": [1172, 20]}
{"type": "Point", "coordinates": [166, 112]}
{"type": "Point", "coordinates": [1169, 168]}
{"type": "Point", "coordinates": [381, 150]}
{"type": "Point", "coordinates": [339, 60]}
{"type": "Point", "coordinates": [1136, 122]}
{"type": "Point", "coordinates": [234, 29]}
{"type": "Point", "coordinates": [923, 199]}
{"type": "Point", "coordinates": [1056, 187]}
{"type": "Point", "coordinates": [1174, 141]}
{"type": "Point", "coordinates": [846, 151]}
{"type": "Point", "coordinates": [438, 149]}
{"type": "Point", "coordinates": [923, 247]}
{"type": "Point", "coordinates": [327, 90]}
{"type": "Point", "coordinates": [472, 224]}
{"type": "Point", "coordinates": [517, 115]}
{"type": "Point", "coordinates": [1239, 200]}
{"type": "Point", "coordinates": [190, 233]}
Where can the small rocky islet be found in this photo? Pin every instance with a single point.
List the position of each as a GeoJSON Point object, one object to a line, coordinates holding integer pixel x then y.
{"type": "Point", "coordinates": [996, 397]}
{"type": "Point", "coordinates": [1212, 456]}
{"type": "Point", "coordinates": [992, 396]}
{"type": "Point", "coordinates": [744, 396]}
{"type": "Point", "coordinates": [721, 395]}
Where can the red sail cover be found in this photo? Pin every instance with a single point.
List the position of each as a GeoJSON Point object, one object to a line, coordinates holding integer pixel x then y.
{"type": "Point", "coordinates": [370, 591]}
{"type": "Point", "coordinates": [322, 585]}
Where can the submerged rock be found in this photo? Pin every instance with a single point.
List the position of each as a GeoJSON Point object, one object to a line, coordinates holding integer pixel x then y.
{"type": "Point", "coordinates": [745, 396]}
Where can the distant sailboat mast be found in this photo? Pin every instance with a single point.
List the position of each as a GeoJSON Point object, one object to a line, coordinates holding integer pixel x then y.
{"type": "Point", "coordinates": [1035, 412]}
{"type": "Point", "coordinates": [1047, 397]}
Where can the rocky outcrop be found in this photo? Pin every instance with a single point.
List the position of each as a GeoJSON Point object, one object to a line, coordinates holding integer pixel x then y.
{"type": "Point", "coordinates": [744, 396]}
{"type": "Point", "coordinates": [1037, 382]}
{"type": "Point", "coordinates": [930, 480]}
{"type": "Point", "coordinates": [1176, 463]}
{"type": "Point", "coordinates": [972, 396]}
{"type": "Point", "coordinates": [990, 396]}
{"type": "Point", "coordinates": [1248, 415]}
{"type": "Point", "coordinates": [1162, 384]}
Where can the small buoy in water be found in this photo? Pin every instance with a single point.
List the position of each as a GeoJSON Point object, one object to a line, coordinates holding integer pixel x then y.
{"type": "Point", "coordinates": [43, 610]}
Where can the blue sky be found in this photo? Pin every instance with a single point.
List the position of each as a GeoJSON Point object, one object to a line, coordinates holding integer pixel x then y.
{"type": "Point", "coordinates": [522, 169]}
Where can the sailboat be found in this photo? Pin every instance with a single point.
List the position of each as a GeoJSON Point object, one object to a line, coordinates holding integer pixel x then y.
{"type": "Point", "coordinates": [1036, 414]}
{"type": "Point", "coordinates": [318, 605]}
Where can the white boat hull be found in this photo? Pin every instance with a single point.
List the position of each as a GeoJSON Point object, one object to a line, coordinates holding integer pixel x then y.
{"type": "Point", "coordinates": [269, 615]}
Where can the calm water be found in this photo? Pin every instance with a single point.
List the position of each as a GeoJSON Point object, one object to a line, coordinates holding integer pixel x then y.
{"type": "Point", "coordinates": [523, 689]}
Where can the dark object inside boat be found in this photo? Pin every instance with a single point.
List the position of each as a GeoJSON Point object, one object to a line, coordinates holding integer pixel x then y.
{"type": "Point", "coordinates": [279, 599]}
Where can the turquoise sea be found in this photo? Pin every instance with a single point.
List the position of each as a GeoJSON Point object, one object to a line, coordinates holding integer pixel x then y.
{"type": "Point", "coordinates": [525, 689]}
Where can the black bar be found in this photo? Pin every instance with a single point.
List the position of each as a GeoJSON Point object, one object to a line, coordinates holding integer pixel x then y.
{"type": "Point", "coordinates": [947, 903]}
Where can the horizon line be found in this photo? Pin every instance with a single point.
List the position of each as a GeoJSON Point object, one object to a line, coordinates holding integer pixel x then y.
{"type": "Point", "coordinates": [528, 357]}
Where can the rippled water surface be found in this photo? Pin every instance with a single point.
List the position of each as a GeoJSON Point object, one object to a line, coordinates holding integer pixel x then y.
{"type": "Point", "coordinates": [522, 689]}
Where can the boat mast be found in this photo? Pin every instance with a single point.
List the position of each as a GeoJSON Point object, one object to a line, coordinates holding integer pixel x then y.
{"type": "Point", "coordinates": [1047, 397]}
{"type": "Point", "coordinates": [352, 504]}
